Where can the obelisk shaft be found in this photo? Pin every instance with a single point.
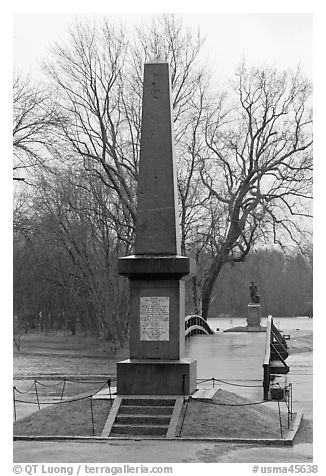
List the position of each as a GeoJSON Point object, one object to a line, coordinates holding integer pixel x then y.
{"type": "Point", "coordinates": [157, 227]}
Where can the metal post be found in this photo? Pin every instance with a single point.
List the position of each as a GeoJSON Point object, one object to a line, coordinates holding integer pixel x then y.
{"type": "Point", "coordinates": [279, 414]}
{"type": "Point", "coordinates": [109, 386]}
{"type": "Point", "coordinates": [15, 403]}
{"type": "Point", "coordinates": [288, 404]}
{"type": "Point", "coordinates": [63, 389]}
{"type": "Point", "coordinates": [92, 416]}
{"type": "Point", "coordinates": [213, 379]}
{"type": "Point", "coordinates": [38, 402]}
{"type": "Point", "coordinates": [185, 390]}
{"type": "Point", "coordinates": [266, 381]}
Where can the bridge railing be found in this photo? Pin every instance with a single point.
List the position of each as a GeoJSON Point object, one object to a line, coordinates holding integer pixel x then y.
{"type": "Point", "coordinates": [267, 358]}
{"type": "Point", "coordinates": [195, 324]}
{"type": "Point", "coordinates": [275, 355]}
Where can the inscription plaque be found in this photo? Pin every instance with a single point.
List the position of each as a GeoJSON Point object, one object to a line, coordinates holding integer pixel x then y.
{"type": "Point", "coordinates": [154, 318]}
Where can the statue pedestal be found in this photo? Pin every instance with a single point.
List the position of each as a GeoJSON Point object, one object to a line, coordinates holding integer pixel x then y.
{"type": "Point", "coordinates": [253, 319]}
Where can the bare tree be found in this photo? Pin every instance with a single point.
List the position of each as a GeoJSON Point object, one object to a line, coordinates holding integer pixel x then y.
{"type": "Point", "coordinates": [34, 119]}
{"type": "Point", "coordinates": [73, 250]}
{"type": "Point", "coordinates": [88, 74]}
{"type": "Point", "coordinates": [244, 174]}
{"type": "Point", "coordinates": [83, 210]}
{"type": "Point", "coordinates": [258, 168]}
{"type": "Point", "coordinates": [99, 76]}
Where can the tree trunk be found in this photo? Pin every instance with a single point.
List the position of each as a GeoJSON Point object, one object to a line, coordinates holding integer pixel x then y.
{"type": "Point", "coordinates": [196, 296]}
{"type": "Point", "coordinates": [208, 285]}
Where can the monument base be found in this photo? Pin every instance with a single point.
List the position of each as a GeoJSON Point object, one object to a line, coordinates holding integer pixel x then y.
{"type": "Point", "coordinates": [253, 318]}
{"type": "Point", "coordinates": [150, 377]}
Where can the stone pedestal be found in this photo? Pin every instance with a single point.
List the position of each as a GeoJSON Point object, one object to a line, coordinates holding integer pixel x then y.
{"type": "Point", "coordinates": [157, 328]}
{"type": "Point", "coordinates": [253, 319]}
{"type": "Point", "coordinates": [150, 377]}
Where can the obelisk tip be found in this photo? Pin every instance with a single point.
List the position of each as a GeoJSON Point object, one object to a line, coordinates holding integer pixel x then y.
{"type": "Point", "coordinates": [156, 59]}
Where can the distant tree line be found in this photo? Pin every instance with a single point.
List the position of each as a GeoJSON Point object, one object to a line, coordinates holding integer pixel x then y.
{"type": "Point", "coordinates": [244, 172]}
{"type": "Point", "coordinates": [284, 284]}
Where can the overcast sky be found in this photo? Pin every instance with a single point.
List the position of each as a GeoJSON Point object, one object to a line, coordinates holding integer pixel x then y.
{"type": "Point", "coordinates": [283, 40]}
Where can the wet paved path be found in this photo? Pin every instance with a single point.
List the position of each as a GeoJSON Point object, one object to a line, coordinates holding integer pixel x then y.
{"type": "Point", "coordinates": [150, 451]}
{"type": "Point", "coordinates": [233, 357]}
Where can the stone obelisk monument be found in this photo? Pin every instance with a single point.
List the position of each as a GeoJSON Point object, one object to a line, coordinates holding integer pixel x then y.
{"type": "Point", "coordinates": [157, 365]}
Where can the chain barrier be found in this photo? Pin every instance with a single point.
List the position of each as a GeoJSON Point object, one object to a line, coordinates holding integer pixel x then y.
{"type": "Point", "coordinates": [227, 404]}
{"type": "Point", "coordinates": [49, 386]}
{"type": "Point", "coordinates": [64, 381]}
{"type": "Point", "coordinates": [26, 391]}
{"type": "Point", "coordinates": [213, 380]}
{"type": "Point", "coordinates": [65, 401]}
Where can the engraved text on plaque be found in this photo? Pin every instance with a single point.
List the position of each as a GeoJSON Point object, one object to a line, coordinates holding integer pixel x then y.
{"type": "Point", "coordinates": [154, 318]}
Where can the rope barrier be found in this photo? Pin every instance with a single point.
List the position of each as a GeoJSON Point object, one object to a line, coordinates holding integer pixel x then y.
{"type": "Point", "coordinates": [204, 380]}
{"type": "Point", "coordinates": [64, 401]}
{"type": "Point", "coordinates": [64, 381]}
{"type": "Point", "coordinates": [56, 402]}
{"type": "Point", "coordinates": [27, 391]}
{"type": "Point", "coordinates": [227, 404]}
{"type": "Point", "coordinates": [54, 385]}
{"type": "Point", "coordinates": [61, 381]}
{"type": "Point", "coordinates": [213, 379]}
{"type": "Point", "coordinates": [237, 384]}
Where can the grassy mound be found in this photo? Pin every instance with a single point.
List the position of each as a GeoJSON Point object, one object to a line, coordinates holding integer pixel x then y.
{"type": "Point", "coordinates": [67, 419]}
{"type": "Point", "coordinates": [204, 419]}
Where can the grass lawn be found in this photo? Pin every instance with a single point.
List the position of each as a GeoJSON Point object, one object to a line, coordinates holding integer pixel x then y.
{"type": "Point", "coordinates": [205, 419]}
{"type": "Point", "coordinates": [66, 419]}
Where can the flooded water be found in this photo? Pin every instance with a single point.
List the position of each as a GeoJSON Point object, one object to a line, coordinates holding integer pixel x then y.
{"type": "Point", "coordinates": [237, 357]}
{"type": "Point", "coordinates": [282, 323]}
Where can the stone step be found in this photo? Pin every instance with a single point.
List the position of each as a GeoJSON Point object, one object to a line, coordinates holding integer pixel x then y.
{"type": "Point", "coordinates": [142, 419]}
{"type": "Point", "coordinates": [145, 410]}
{"type": "Point", "coordinates": [137, 430]}
{"type": "Point", "coordinates": [161, 402]}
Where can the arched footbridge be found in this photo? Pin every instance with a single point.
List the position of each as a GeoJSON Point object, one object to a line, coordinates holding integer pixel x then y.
{"type": "Point", "coordinates": [195, 324]}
